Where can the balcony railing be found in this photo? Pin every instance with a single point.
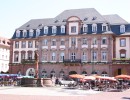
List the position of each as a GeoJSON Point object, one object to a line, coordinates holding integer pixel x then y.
{"type": "Point", "coordinates": [24, 61]}
{"type": "Point", "coordinates": [121, 61]}
{"type": "Point", "coordinates": [72, 61]}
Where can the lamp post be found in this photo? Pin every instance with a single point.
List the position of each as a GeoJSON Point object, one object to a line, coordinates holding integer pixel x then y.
{"type": "Point", "coordinates": [36, 62]}
{"type": "Point", "coordinates": [93, 59]}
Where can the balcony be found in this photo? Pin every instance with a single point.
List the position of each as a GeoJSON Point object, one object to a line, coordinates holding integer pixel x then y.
{"type": "Point", "coordinates": [28, 61]}
{"type": "Point", "coordinates": [72, 61]}
{"type": "Point", "coordinates": [121, 61]}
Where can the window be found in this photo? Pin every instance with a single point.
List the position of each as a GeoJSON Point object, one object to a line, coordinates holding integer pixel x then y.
{"type": "Point", "coordinates": [45, 30]}
{"type": "Point", "coordinates": [122, 53]}
{"type": "Point", "coordinates": [104, 40]}
{"type": "Point", "coordinates": [53, 42]}
{"type": "Point", "coordinates": [122, 28]}
{"type": "Point", "coordinates": [73, 40]}
{"type": "Point", "coordinates": [85, 28]}
{"type": "Point", "coordinates": [22, 56]}
{"type": "Point", "coordinates": [62, 42]}
{"type": "Point", "coordinates": [122, 42]}
{"type": "Point", "coordinates": [23, 44]}
{"type": "Point", "coordinates": [54, 29]}
{"type": "Point", "coordinates": [31, 33]}
{"type": "Point", "coordinates": [37, 32]}
{"type": "Point", "coordinates": [44, 42]}
{"type": "Point", "coordinates": [104, 27]}
{"type": "Point", "coordinates": [84, 56]}
{"type": "Point", "coordinates": [44, 57]}
{"type": "Point", "coordinates": [84, 41]}
{"type": "Point", "coordinates": [17, 33]}
{"type": "Point", "coordinates": [29, 56]}
{"type": "Point", "coordinates": [16, 57]}
{"type": "Point", "coordinates": [61, 56]}
{"type": "Point", "coordinates": [94, 56]}
{"type": "Point", "coordinates": [72, 56]}
{"type": "Point", "coordinates": [62, 29]}
{"type": "Point", "coordinates": [94, 41]}
{"type": "Point", "coordinates": [30, 44]}
{"type": "Point", "coordinates": [104, 56]}
{"type": "Point", "coordinates": [24, 33]}
{"type": "Point", "coordinates": [94, 28]}
{"type": "Point", "coordinates": [73, 29]}
{"type": "Point", "coordinates": [53, 58]}
{"type": "Point", "coordinates": [36, 44]}
{"type": "Point", "coordinates": [16, 44]}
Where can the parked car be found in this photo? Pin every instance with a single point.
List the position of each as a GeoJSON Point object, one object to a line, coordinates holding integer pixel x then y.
{"type": "Point", "coordinates": [68, 83]}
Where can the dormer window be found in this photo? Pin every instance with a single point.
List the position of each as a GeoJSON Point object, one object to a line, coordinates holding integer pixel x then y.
{"type": "Point", "coordinates": [45, 30]}
{"type": "Point", "coordinates": [54, 29]}
{"type": "Point", "coordinates": [85, 18]}
{"type": "Point", "coordinates": [17, 33]}
{"type": "Point", "coordinates": [94, 28]}
{"type": "Point", "coordinates": [122, 28]}
{"type": "Point", "coordinates": [62, 29]}
{"type": "Point", "coordinates": [104, 27]}
{"type": "Point", "coordinates": [24, 33]}
{"type": "Point", "coordinates": [94, 18]}
{"type": "Point", "coordinates": [37, 32]}
{"type": "Point", "coordinates": [31, 33]}
{"type": "Point", "coordinates": [85, 28]}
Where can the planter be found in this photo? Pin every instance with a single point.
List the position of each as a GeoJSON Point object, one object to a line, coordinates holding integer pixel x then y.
{"type": "Point", "coordinates": [46, 82]}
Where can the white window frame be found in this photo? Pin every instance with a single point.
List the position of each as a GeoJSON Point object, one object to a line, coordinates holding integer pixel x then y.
{"type": "Point", "coordinates": [122, 29]}
{"type": "Point", "coordinates": [104, 38]}
{"type": "Point", "coordinates": [94, 28]}
{"type": "Point", "coordinates": [94, 56]}
{"type": "Point", "coordinates": [30, 44]}
{"type": "Point", "coordinates": [62, 29]}
{"type": "Point", "coordinates": [54, 29]}
{"type": "Point", "coordinates": [94, 42]}
{"type": "Point", "coordinates": [53, 56]}
{"type": "Point", "coordinates": [45, 42]}
{"type": "Point", "coordinates": [37, 32]}
{"type": "Point", "coordinates": [85, 28]}
{"type": "Point", "coordinates": [104, 56]}
{"type": "Point", "coordinates": [23, 44]}
{"type": "Point", "coordinates": [106, 28]}
{"type": "Point", "coordinates": [31, 33]}
{"type": "Point", "coordinates": [16, 44]}
{"type": "Point", "coordinates": [53, 42]}
{"type": "Point", "coordinates": [45, 30]}
{"type": "Point", "coordinates": [24, 33]}
{"type": "Point", "coordinates": [17, 33]}
{"type": "Point", "coordinates": [84, 41]}
{"type": "Point", "coordinates": [62, 56]}
{"type": "Point", "coordinates": [84, 56]}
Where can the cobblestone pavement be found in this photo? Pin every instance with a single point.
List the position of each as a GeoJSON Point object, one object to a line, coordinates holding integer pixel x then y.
{"type": "Point", "coordinates": [59, 93]}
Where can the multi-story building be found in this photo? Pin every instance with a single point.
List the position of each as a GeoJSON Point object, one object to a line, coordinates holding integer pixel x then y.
{"type": "Point", "coordinates": [76, 41]}
{"type": "Point", "coordinates": [4, 54]}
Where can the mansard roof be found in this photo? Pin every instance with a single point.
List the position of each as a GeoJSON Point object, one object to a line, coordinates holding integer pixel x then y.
{"type": "Point", "coordinates": [115, 19]}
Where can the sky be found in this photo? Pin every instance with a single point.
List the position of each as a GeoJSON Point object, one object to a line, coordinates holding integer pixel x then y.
{"type": "Point", "coordinates": [15, 13]}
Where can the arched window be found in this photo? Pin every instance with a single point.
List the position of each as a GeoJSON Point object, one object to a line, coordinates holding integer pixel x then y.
{"type": "Point", "coordinates": [84, 73]}
{"type": "Point", "coordinates": [104, 73]}
{"type": "Point", "coordinates": [31, 33]}
{"type": "Point", "coordinates": [61, 56]}
{"type": "Point", "coordinates": [104, 27]}
{"type": "Point", "coordinates": [17, 33]}
{"type": "Point", "coordinates": [37, 32]}
{"type": "Point", "coordinates": [54, 29]}
{"type": "Point", "coordinates": [45, 30]}
{"type": "Point", "coordinates": [85, 28]}
{"type": "Point", "coordinates": [44, 73]}
{"type": "Point", "coordinates": [122, 28]}
{"type": "Point", "coordinates": [94, 28]}
{"type": "Point", "coordinates": [62, 29]}
{"type": "Point", "coordinates": [24, 33]}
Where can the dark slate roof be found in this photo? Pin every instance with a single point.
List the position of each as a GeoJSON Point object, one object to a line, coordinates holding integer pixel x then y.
{"type": "Point", "coordinates": [115, 19]}
{"type": "Point", "coordinates": [88, 13]}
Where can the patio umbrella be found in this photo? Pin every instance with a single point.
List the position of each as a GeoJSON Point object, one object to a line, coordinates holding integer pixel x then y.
{"type": "Point", "coordinates": [107, 78]}
{"type": "Point", "coordinates": [76, 76]}
{"type": "Point", "coordinates": [122, 76]}
{"type": "Point", "coordinates": [89, 78]}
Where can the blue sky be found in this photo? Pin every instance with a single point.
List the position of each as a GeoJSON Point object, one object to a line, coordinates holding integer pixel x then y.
{"type": "Point", "coordinates": [14, 13]}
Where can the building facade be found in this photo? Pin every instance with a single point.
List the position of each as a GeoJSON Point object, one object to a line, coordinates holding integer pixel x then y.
{"type": "Point", "coordinates": [76, 41]}
{"type": "Point", "coordinates": [4, 54]}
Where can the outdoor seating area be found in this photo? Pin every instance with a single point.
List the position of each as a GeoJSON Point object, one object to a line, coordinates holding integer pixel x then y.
{"type": "Point", "coordinates": [100, 83]}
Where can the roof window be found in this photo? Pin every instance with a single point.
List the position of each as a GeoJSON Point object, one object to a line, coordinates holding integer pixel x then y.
{"type": "Point", "coordinates": [85, 18]}
{"type": "Point", "coordinates": [94, 18]}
